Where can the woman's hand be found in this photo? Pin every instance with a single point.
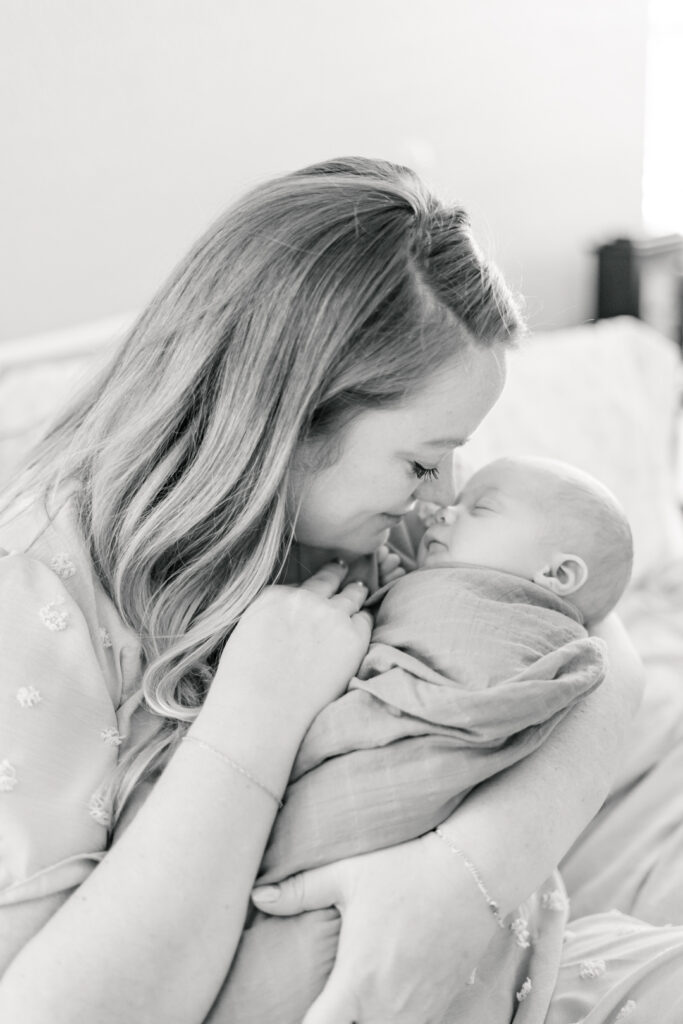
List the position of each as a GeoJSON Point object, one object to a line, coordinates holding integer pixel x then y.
{"type": "Point", "coordinates": [295, 648]}
{"type": "Point", "coordinates": [414, 926]}
{"type": "Point", "coordinates": [388, 565]}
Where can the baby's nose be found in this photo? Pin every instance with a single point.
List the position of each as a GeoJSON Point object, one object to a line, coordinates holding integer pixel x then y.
{"type": "Point", "coordinates": [439, 491]}
{"type": "Point", "coordinates": [446, 515]}
{"type": "Point", "coordinates": [443, 516]}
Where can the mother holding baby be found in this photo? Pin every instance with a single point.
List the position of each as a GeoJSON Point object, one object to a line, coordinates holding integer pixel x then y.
{"type": "Point", "coordinates": [174, 567]}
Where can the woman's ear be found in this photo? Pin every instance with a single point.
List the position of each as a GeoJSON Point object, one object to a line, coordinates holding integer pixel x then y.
{"type": "Point", "coordinates": [564, 575]}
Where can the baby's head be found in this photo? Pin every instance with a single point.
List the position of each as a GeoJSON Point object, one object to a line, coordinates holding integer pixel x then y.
{"type": "Point", "coordinates": [543, 520]}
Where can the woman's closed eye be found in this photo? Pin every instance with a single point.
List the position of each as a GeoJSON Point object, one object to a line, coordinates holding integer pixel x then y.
{"type": "Point", "coordinates": [425, 472]}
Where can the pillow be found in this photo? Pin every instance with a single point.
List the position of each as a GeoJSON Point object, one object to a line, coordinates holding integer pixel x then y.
{"type": "Point", "coordinates": [604, 397]}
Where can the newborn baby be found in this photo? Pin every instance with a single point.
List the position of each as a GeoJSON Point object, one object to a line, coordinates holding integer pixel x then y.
{"type": "Point", "coordinates": [475, 657]}
{"type": "Point", "coordinates": [544, 521]}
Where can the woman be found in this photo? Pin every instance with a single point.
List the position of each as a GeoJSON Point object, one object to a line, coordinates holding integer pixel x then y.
{"type": "Point", "coordinates": [301, 379]}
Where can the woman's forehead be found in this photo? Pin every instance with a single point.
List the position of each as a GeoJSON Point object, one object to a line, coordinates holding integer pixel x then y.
{"type": "Point", "coordinates": [453, 400]}
{"type": "Point", "coordinates": [441, 414]}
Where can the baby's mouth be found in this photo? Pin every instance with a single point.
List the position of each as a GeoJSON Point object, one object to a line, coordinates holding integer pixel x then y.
{"type": "Point", "coordinates": [433, 543]}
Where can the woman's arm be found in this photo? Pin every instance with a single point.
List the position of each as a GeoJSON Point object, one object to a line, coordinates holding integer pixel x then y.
{"type": "Point", "coordinates": [413, 922]}
{"type": "Point", "coordinates": [519, 824]}
{"type": "Point", "coordinates": [151, 933]}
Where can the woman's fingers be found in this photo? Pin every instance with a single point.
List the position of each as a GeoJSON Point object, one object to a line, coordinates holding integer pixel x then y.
{"type": "Point", "coordinates": [351, 598]}
{"type": "Point", "coordinates": [390, 561]}
{"type": "Point", "coordinates": [336, 1004]}
{"type": "Point", "coordinates": [301, 645]}
{"type": "Point", "coordinates": [399, 956]}
{"type": "Point", "coordinates": [362, 622]}
{"type": "Point", "coordinates": [327, 580]}
{"type": "Point", "coordinates": [315, 889]}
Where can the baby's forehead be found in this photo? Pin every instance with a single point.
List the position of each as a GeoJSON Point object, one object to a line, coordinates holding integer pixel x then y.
{"type": "Point", "coordinates": [520, 478]}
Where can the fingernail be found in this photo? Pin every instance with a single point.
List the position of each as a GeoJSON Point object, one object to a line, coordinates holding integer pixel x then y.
{"type": "Point", "coordinates": [340, 561]}
{"type": "Point", "coordinates": [266, 894]}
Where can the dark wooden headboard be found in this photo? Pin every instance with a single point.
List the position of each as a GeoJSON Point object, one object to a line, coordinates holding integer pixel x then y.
{"type": "Point", "coordinates": [643, 278]}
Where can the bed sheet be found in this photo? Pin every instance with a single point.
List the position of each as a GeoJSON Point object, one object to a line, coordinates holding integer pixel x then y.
{"type": "Point", "coordinates": [631, 855]}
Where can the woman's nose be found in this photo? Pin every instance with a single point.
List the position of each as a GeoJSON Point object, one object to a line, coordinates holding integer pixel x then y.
{"type": "Point", "coordinates": [441, 491]}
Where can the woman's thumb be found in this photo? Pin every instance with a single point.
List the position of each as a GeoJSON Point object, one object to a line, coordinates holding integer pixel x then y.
{"type": "Point", "coordinates": [334, 1005]}
{"type": "Point", "coordinates": [309, 890]}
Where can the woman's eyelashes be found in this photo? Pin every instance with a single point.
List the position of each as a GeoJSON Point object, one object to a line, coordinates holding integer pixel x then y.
{"type": "Point", "coordinates": [425, 472]}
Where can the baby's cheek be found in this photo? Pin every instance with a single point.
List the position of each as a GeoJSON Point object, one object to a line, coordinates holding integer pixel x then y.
{"type": "Point", "coordinates": [421, 553]}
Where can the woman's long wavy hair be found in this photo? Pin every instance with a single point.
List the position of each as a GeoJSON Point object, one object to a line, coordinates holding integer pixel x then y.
{"type": "Point", "coordinates": [334, 289]}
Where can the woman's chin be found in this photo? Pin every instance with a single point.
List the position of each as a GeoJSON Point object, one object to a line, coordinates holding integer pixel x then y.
{"type": "Point", "coordinates": [368, 546]}
{"type": "Point", "coordinates": [381, 537]}
{"type": "Point", "coordinates": [353, 545]}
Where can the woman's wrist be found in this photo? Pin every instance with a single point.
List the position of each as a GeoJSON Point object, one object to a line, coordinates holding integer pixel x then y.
{"type": "Point", "coordinates": [268, 737]}
{"type": "Point", "coordinates": [260, 696]}
{"type": "Point", "coordinates": [479, 869]}
{"type": "Point", "coordinates": [234, 766]}
{"type": "Point", "coordinates": [460, 890]}
{"type": "Point", "coordinates": [466, 862]}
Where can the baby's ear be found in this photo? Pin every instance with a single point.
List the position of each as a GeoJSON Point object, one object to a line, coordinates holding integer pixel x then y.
{"type": "Point", "coordinates": [564, 574]}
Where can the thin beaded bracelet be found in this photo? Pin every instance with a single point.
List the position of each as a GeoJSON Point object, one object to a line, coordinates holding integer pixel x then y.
{"type": "Point", "coordinates": [474, 871]}
{"type": "Point", "coordinates": [235, 765]}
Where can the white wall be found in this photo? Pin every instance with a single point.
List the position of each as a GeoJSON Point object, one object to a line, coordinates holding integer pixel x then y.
{"type": "Point", "coordinates": [126, 125]}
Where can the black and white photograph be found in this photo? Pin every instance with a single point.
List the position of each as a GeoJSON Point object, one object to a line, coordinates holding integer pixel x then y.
{"type": "Point", "coordinates": [341, 512]}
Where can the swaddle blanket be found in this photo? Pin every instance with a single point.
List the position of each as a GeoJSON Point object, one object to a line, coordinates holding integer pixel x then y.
{"type": "Point", "coordinates": [468, 671]}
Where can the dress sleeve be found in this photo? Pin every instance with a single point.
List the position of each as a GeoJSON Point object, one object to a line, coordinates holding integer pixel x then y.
{"type": "Point", "coordinates": [58, 735]}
